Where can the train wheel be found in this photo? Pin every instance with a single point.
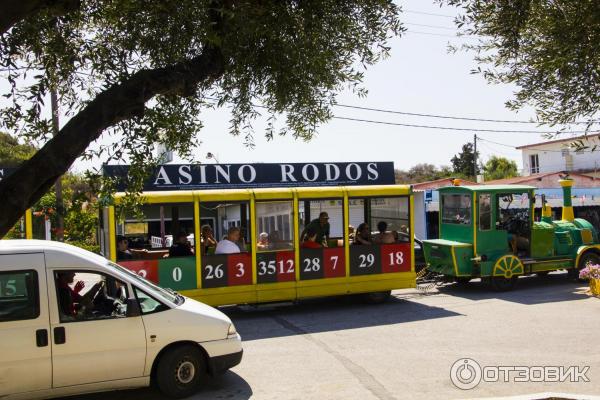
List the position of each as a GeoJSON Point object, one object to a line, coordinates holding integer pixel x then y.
{"type": "Point", "coordinates": [585, 259]}
{"type": "Point", "coordinates": [508, 266]}
{"type": "Point", "coordinates": [502, 284]}
{"type": "Point", "coordinates": [506, 271]}
{"type": "Point", "coordinates": [462, 280]}
{"type": "Point", "coordinates": [377, 297]}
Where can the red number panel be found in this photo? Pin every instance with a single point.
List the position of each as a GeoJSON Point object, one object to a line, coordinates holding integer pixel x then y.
{"type": "Point", "coordinates": [239, 269]}
{"type": "Point", "coordinates": [334, 262]}
{"type": "Point", "coordinates": [286, 271]}
{"type": "Point", "coordinates": [145, 268]}
{"type": "Point", "coordinates": [395, 257]}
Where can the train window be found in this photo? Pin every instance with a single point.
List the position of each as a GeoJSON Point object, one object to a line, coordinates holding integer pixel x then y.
{"type": "Point", "coordinates": [321, 239]}
{"type": "Point", "coordinates": [456, 209]}
{"type": "Point", "coordinates": [513, 212]}
{"type": "Point", "coordinates": [225, 244]}
{"type": "Point", "coordinates": [324, 219]}
{"type": "Point", "coordinates": [389, 218]}
{"type": "Point", "coordinates": [275, 242]}
{"type": "Point", "coordinates": [485, 212]}
{"type": "Point", "coordinates": [276, 232]}
{"type": "Point", "coordinates": [382, 238]}
{"type": "Point", "coordinates": [159, 231]}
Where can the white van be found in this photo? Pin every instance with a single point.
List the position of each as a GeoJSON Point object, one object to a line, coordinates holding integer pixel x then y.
{"type": "Point", "coordinates": [72, 322]}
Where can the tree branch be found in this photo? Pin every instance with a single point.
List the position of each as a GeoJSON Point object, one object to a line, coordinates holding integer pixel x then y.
{"type": "Point", "coordinates": [14, 11]}
{"type": "Point", "coordinates": [34, 177]}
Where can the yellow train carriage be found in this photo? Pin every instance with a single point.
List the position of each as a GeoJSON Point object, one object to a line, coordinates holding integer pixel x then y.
{"type": "Point", "coordinates": [273, 264]}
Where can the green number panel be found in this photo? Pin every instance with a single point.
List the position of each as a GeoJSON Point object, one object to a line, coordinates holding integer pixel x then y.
{"type": "Point", "coordinates": [177, 273]}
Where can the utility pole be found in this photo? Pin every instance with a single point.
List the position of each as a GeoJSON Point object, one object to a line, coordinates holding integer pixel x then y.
{"type": "Point", "coordinates": [475, 156]}
{"type": "Point", "coordinates": [58, 184]}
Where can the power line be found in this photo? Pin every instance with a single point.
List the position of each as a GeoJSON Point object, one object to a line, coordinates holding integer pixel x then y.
{"type": "Point", "coordinates": [430, 26]}
{"type": "Point", "coordinates": [428, 13]}
{"type": "Point", "coordinates": [441, 34]}
{"type": "Point", "coordinates": [424, 126]}
{"type": "Point", "coordinates": [444, 127]}
{"type": "Point", "coordinates": [453, 117]}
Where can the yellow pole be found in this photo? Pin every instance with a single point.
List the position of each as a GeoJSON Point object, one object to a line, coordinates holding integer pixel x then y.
{"type": "Point", "coordinates": [198, 243]}
{"type": "Point", "coordinates": [29, 224]}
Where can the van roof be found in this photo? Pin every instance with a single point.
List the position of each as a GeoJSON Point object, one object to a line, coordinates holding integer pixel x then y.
{"type": "Point", "coordinates": [37, 246]}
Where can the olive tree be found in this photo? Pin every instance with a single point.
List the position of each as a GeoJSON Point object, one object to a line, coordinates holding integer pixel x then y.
{"type": "Point", "coordinates": [549, 49]}
{"type": "Point", "coordinates": [143, 71]}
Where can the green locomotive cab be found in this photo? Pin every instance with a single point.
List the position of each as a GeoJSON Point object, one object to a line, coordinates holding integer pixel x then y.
{"type": "Point", "coordinates": [489, 232]}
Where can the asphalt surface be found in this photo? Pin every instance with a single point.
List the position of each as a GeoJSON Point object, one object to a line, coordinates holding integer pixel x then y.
{"type": "Point", "coordinates": [341, 348]}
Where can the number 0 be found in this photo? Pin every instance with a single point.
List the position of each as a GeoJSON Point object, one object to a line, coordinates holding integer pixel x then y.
{"type": "Point", "coordinates": [177, 274]}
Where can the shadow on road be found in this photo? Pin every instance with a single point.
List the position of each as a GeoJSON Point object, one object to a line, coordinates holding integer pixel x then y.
{"type": "Point", "coordinates": [228, 386]}
{"type": "Point", "coordinates": [552, 288]}
{"type": "Point", "coordinates": [326, 315]}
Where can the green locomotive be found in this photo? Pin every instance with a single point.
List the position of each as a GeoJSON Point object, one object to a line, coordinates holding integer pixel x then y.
{"type": "Point", "coordinates": [488, 232]}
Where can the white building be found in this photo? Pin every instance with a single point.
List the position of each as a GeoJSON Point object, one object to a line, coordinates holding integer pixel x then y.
{"type": "Point", "coordinates": [557, 155]}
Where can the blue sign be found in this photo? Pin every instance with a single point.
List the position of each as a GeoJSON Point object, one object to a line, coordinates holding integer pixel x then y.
{"type": "Point", "coordinates": [232, 176]}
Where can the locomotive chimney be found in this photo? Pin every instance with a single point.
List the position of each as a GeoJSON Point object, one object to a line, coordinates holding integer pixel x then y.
{"type": "Point", "coordinates": [567, 210]}
{"type": "Point", "coordinates": [546, 210]}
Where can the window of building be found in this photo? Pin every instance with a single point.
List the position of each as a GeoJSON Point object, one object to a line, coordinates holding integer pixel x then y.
{"type": "Point", "coordinates": [456, 209]}
{"type": "Point", "coordinates": [19, 295]}
{"type": "Point", "coordinates": [534, 164]}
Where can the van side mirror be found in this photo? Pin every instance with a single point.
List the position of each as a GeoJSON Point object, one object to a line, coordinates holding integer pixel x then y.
{"type": "Point", "coordinates": [133, 308]}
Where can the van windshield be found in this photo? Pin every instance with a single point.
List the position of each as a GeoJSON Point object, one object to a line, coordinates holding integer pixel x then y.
{"type": "Point", "coordinates": [166, 294]}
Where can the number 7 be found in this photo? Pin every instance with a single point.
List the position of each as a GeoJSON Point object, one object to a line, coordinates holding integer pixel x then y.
{"type": "Point", "coordinates": [335, 261]}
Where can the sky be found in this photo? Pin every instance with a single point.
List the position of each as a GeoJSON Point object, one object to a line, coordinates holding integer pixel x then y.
{"type": "Point", "coordinates": [421, 76]}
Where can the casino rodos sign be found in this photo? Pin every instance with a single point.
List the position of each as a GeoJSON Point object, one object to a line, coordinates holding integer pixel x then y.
{"type": "Point", "coordinates": [224, 176]}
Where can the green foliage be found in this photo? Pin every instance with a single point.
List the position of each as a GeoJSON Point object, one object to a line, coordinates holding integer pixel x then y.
{"type": "Point", "coordinates": [80, 213]}
{"type": "Point", "coordinates": [549, 49]}
{"type": "Point", "coordinates": [12, 153]}
{"type": "Point", "coordinates": [289, 57]}
{"type": "Point", "coordinates": [422, 173]}
{"type": "Point", "coordinates": [499, 168]}
{"type": "Point", "coordinates": [462, 163]}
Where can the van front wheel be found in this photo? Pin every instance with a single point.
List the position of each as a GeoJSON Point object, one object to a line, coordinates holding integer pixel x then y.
{"type": "Point", "coordinates": [180, 371]}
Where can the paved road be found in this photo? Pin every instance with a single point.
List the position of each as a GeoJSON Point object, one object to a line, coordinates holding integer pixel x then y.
{"type": "Point", "coordinates": [343, 349]}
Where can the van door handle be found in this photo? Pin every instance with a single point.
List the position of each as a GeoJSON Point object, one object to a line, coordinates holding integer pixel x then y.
{"type": "Point", "coordinates": [41, 337]}
{"type": "Point", "coordinates": [60, 336]}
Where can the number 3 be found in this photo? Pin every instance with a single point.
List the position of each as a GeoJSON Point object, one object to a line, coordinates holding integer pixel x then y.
{"type": "Point", "coordinates": [240, 270]}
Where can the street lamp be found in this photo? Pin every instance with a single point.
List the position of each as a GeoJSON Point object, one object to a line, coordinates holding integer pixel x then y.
{"type": "Point", "coordinates": [210, 155]}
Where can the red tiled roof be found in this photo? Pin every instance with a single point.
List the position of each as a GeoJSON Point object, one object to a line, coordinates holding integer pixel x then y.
{"type": "Point", "coordinates": [440, 183]}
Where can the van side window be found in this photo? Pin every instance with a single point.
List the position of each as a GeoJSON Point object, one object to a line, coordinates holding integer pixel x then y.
{"type": "Point", "coordinates": [89, 296]}
{"type": "Point", "coordinates": [148, 304]}
{"type": "Point", "coordinates": [19, 295]}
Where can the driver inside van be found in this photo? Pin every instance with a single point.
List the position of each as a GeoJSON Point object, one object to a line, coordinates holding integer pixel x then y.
{"type": "Point", "coordinates": [69, 299]}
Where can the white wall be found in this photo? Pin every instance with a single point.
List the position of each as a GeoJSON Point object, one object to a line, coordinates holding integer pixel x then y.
{"type": "Point", "coordinates": [552, 159]}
